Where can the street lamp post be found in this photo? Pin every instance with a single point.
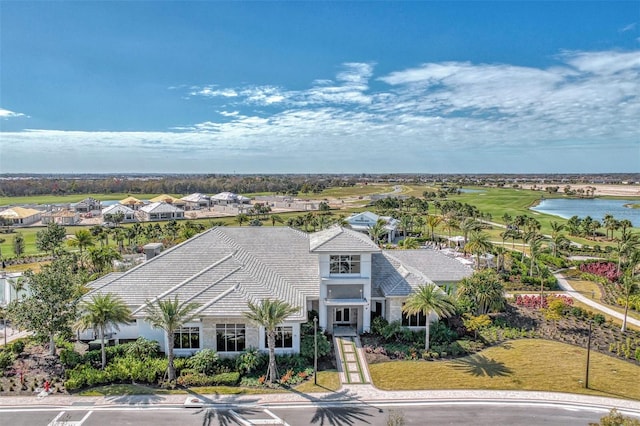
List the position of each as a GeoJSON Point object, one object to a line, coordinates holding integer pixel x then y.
{"type": "Point", "coordinates": [586, 378]}
{"type": "Point", "coordinates": [315, 350]}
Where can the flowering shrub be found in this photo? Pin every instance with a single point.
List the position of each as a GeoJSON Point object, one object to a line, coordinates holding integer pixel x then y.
{"type": "Point", "coordinates": [533, 301]}
{"type": "Point", "coordinates": [608, 270]}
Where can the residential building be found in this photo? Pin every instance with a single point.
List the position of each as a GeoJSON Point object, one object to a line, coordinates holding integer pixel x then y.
{"type": "Point", "coordinates": [20, 216]}
{"type": "Point", "coordinates": [338, 273]}
{"type": "Point", "coordinates": [88, 205]}
{"type": "Point", "coordinates": [364, 221]}
{"type": "Point", "coordinates": [128, 214]}
{"type": "Point", "coordinates": [197, 201]}
{"type": "Point", "coordinates": [61, 217]}
{"type": "Point", "coordinates": [161, 211]}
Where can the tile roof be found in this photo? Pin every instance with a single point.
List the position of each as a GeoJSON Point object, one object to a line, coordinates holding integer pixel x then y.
{"type": "Point", "coordinates": [117, 208]}
{"type": "Point", "coordinates": [436, 265]}
{"type": "Point", "coordinates": [341, 240]}
{"type": "Point", "coordinates": [160, 207]}
{"type": "Point", "coordinates": [223, 268]}
{"type": "Point", "coordinates": [19, 212]}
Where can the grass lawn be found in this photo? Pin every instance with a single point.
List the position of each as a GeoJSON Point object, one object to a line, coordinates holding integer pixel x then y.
{"type": "Point", "coordinates": [528, 364]}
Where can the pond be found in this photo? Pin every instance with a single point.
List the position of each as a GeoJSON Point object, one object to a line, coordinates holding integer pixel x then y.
{"type": "Point", "coordinates": [596, 208]}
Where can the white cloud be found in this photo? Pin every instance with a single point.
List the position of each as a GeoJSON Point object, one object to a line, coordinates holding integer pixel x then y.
{"type": "Point", "coordinates": [629, 27]}
{"type": "Point", "coordinates": [5, 113]}
{"type": "Point", "coordinates": [438, 117]}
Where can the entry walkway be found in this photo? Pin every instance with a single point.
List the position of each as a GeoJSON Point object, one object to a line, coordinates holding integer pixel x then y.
{"type": "Point", "coordinates": [350, 360]}
{"type": "Point", "coordinates": [564, 285]}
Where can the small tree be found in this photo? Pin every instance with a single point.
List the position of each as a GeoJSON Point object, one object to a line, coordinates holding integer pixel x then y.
{"type": "Point", "coordinates": [169, 315]}
{"type": "Point", "coordinates": [18, 245]}
{"type": "Point", "coordinates": [428, 299]}
{"type": "Point", "coordinates": [50, 239]}
{"type": "Point", "coordinates": [102, 311]}
{"type": "Point", "coordinates": [270, 314]}
{"type": "Point", "coordinates": [51, 306]}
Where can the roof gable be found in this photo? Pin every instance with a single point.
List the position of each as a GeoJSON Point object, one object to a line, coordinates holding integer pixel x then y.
{"type": "Point", "coordinates": [340, 240]}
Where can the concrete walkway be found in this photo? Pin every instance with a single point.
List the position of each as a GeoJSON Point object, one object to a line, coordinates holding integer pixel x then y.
{"type": "Point", "coordinates": [564, 285]}
{"type": "Point", "coordinates": [350, 359]}
{"type": "Point", "coordinates": [348, 395]}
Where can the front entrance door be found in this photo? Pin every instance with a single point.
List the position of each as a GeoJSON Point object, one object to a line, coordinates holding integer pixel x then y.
{"type": "Point", "coordinates": [342, 316]}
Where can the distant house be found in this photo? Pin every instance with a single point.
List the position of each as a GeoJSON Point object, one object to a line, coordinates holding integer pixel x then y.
{"type": "Point", "coordinates": [128, 213]}
{"type": "Point", "coordinates": [364, 221]}
{"type": "Point", "coordinates": [132, 202]}
{"type": "Point", "coordinates": [225, 198]}
{"type": "Point", "coordinates": [338, 273]}
{"type": "Point", "coordinates": [161, 211]}
{"type": "Point", "coordinates": [20, 216]}
{"type": "Point", "coordinates": [9, 282]}
{"type": "Point", "coordinates": [164, 198]}
{"type": "Point", "coordinates": [197, 201]}
{"type": "Point", "coordinates": [88, 205]}
{"type": "Point", "coordinates": [61, 217]}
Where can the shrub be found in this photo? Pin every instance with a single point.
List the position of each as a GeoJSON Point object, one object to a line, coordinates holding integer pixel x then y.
{"type": "Point", "coordinates": [224, 379]}
{"type": "Point", "coordinates": [307, 347]}
{"type": "Point", "coordinates": [143, 348]}
{"type": "Point", "coordinates": [70, 358]}
{"type": "Point", "coordinates": [599, 319]}
{"type": "Point", "coordinates": [608, 270]}
{"type": "Point", "coordinates": [6, 359]}
{"type": "Point", "coordinates": [205, 361]}
{"type": "Point", "coordinates": [391, 330]}
{"type": "Point", "coordinates": [249, 360]}
{"type": "Point", "coordinates": [378, 324]}
{"type": "Point", "coordinates": [17, 347]}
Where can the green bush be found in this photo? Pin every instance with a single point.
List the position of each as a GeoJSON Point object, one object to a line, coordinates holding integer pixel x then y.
{"type": "Point", "coordinates": [6, 359]}
{"type": "Point", "coordinates": [204, 361]}
{"type": "Point", "coordinates": [307, 348]}
{"type": "Point", "coordinates": [143, 348]}
{"type": "Point", "coordinates": [226, 379]}
{"type": "Point", "coordinates": [17, 347]}
{"type": "Point", "coordinates": [197, 379]}
{"type": "Point", "coordinates": [70, 358]}
{"type": "Point", "coordinates": [378, 324]}
{"type": "Point", "coordinates": [249, 360]}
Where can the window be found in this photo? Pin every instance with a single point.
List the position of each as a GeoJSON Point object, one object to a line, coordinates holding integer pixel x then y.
{"type": "Point", "coordinates": [344, 264]}
{"type": "Point", "coordinates": [284, 337]}
{"type": "Point", "coordinates": [419, 320]}
{"type": "Point", "coordinates": [230, 337]}
{"type": "Point", "coordinates": [187, 338]}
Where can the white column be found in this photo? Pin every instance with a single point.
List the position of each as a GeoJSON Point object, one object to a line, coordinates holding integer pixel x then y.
{"type": "Point", "coordinates": [322, 307]}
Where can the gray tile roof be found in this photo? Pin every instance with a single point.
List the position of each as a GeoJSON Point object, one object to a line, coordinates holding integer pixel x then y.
{"type": "Point", "coordinates": [341, 240]}
{"type": "Point", "coordinates": [436, 265]}
{"type": "Point", "coordinates": [392, 278]}
{"type": "Point", "coordinates": [160, 207]}
{"type": "Point", "coordinates": [223, 268]}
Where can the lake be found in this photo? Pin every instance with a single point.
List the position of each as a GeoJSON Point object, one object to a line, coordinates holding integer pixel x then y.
{"type": "Point", "coordinates": [596, 208]}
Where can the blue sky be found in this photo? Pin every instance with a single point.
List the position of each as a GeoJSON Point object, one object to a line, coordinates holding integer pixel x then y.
{"type": "Point", "coordinates": [319, 87]}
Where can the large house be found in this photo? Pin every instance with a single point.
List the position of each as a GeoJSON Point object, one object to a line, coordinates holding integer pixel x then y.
{"type": "Point", "coordinates": [363, 222]}
{"type": "Point", "coordinates": [338, 273]}
{"type": "Point", "coordinates": [161, 211]}
{"type": "Point", "coordinates": [20, 216]}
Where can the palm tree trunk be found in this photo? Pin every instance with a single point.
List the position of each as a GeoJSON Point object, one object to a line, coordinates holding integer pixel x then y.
{"type": "Point", "coordinates": [426, 333]}
{"type": "Point", "coordinates": [626, 311]}
{"type": "Point", "coordinates": [272, 373]}
{"type": "Point", "coordinates": [102, 349]}
{"type": "Point", "coordinates": [52, 344]}
{"type": "Point", "coordinates": [171, 369]}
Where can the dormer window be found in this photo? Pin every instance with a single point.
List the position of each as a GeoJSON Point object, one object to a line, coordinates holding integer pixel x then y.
{"type": "Point", "coordinates": [344, 264]}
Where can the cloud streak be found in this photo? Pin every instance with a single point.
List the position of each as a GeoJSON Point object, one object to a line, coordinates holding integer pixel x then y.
{"type": "Point", "coordinates": [5, 113]}
{"type": "Point", "coordinates": [438, 117]}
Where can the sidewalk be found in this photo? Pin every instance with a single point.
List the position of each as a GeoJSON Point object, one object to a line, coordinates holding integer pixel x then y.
{"type": "Point", "coordinates": [564, 285]}
{"type": "Point", "coordinates": [348, 395]}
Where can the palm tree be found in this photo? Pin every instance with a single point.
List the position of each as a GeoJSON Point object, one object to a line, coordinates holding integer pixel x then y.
{"type": "Point", "coordinates": [478, 244]}
{"type": "Point", "coordinates": [377, 230]}
{"type": "Point", "coordinates": [484, 290]}
{"type": "Point", "coordinates": [406, 222]}
{"type": "Point", "coordinates": [169, 315]}
{"type": "Point", "coordinates": [409, 243]}
{"type": "Point", "coordinates": [610, 224]}
{"type": "Point", "coordinates": [468, 225]}
{"type": "Point", "coordinates": [242, 218]}
{"type": "Point", "coordinates": [270, 314]}
{"type": "Point", "coordinates": [556, 228]}
{"type": "Point", "coordinates": [432, 223]}
{"type": "Point", "coordinates": [276, 219]}
{"type": "Point", "coordinates": [102, 311]}
{"type": "Point", "coordinates": [450, 224]}
{"type": "Point", "coordinates": [428, 299]}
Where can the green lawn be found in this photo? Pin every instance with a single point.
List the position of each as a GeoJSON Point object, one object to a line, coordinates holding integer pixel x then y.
{"type": "Point", "coordinates": [528, 364]}
{"type": "Point", "coordinates": [74, 198]}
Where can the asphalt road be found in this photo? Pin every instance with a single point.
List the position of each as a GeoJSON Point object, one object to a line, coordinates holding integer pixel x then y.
{"type": "Point", "coordinates": [477, 414]}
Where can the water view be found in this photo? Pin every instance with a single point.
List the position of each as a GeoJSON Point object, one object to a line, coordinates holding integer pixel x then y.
{"type": "Point", "coordinates": [596, 208]}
